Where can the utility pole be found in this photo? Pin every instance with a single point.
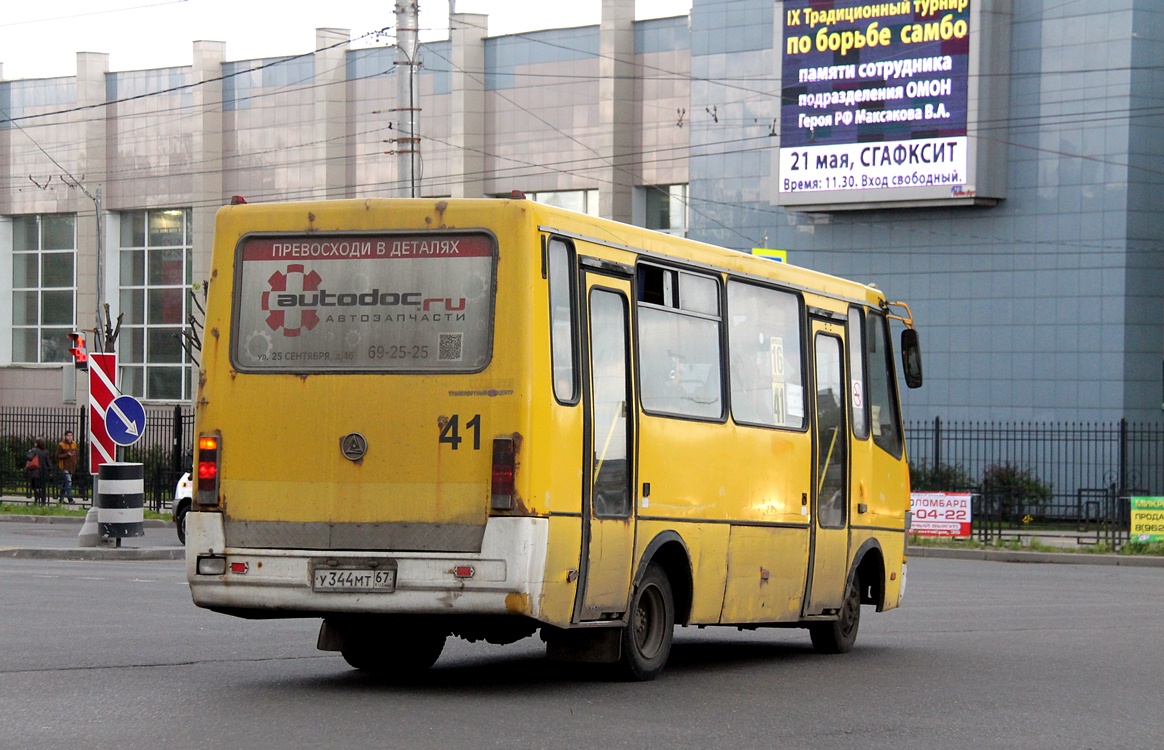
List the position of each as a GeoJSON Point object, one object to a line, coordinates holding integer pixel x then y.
{"type": "Point", "coordinates": [108, 347]}
{"type": "Point", "coordinates": [407, 62]}
{"type": "Point", "coordinates": [102, 339]}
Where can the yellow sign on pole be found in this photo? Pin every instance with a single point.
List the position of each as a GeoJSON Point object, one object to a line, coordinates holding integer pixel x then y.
{"type": "Point", "coordinates": [780, 256]}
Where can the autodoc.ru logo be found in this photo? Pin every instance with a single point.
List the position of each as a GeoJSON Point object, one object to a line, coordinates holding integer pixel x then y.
{"type": "Point", "coordinates": [294, 284]}
{"type": "Point", "coordinates": [294, 296]}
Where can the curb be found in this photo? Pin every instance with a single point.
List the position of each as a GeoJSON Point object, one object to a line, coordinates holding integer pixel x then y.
{"type": "Point", "coordinates": [151, 523]}
{"type": "Point", "coordinates": [86, 553]}
{"type": "Point", "coordinates": [93, 553]}
{"type": "Point", "coordinates": [1061, 558]}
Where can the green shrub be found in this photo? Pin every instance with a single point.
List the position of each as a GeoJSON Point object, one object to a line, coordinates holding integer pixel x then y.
{"type": "Point", "coordinates": [924, 478]}
{"type": "Point", "coordinates": [1143, 548]}
{"type": "Point", "coordinates": [1021, 485]}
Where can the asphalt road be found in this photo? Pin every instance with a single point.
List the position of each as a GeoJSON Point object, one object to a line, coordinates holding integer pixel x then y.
{"type": "Point", "coordinates": [983, 655]}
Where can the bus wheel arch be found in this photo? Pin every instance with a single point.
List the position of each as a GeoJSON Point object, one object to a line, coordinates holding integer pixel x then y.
{"type": "Point", "coordinates": [869, 569]}
{"type": "Point", "coordinates": [670, 553]}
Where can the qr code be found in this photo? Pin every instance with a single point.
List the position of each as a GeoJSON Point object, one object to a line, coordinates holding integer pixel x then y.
{"type": "Point", "coordinates": [450, 347]}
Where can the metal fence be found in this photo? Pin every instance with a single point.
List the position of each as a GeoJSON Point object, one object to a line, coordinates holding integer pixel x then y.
{"type": "Point", "coordinates": [1080, 474]}
{"type": "Point", "coordinates": [165, 450]}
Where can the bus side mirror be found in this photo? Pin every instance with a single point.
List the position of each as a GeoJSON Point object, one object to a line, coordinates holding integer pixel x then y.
{"type": "Point", "coordinates": [911, 358]}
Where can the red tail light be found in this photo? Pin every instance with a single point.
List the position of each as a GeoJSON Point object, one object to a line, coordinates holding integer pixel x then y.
{"type": "Point", "coordinates": [504, 462]}
{"type": "Point", "coordinates": [207, 469]}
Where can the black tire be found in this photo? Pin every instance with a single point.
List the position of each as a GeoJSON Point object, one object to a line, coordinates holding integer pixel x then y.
{"type": "Point", "coordinates": [838, 637]}
{"type": "Point", "coordinates": [397, 654]}
{"type": "Point", "coordinates": [180, 521]}
{"type": "Point", "coordinates": [646, 639]}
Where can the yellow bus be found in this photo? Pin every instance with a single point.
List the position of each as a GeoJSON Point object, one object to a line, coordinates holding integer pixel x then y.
{"type": "Point", "coordinates": [488, 418]}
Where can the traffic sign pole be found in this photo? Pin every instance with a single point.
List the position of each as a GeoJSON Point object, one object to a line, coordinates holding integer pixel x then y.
{"type": "Point", "coordinates": [102, 391]}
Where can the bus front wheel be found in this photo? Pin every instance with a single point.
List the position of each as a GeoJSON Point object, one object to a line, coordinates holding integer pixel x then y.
{"type": "Point", "coordinates": [646, 639]}
{"type": "Point", "coordinates": [838, 637]}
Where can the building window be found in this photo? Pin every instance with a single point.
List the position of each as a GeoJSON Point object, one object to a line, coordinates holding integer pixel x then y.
{"type": "Point", "coordinates": [44, 262]}
{"type": "Point", "coordinates": [582, 201]}
{"type": "Point", "coordinates": [156, 273]}
{"type": "Point", "coordinates": [667, 208]}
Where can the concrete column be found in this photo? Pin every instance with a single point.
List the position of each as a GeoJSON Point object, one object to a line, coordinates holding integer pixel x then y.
{"type": "Point", "coordinates": [467, 32]}
{"type": "Point", "coordinates": [5, 164]}
{"type": "Point", "coordinates": [91, 169]}
{"type": "Point", "coordinates": [616, 109]}
{"type": "Point", "coordinates": [209, 191]}
{"type": "Point", "coordinates": [331, 113]}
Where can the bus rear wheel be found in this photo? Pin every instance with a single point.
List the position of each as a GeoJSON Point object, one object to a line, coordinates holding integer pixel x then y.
{"type": "Point", "coordinates": [838, 637]}
{"type": "Point", "coordinates": [646, 639]}
{"type": "Point", "coordinates": [392, 652]}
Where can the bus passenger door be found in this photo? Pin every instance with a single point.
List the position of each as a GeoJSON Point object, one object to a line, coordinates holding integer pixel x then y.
{"type": "Point", "coordinates": [830, 501]}
{"type": "Point", "coordinates": [608, 529]}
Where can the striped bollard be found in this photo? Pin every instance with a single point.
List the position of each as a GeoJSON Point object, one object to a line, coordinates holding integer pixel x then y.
{"type": "Point", "coordinates": [120, 500]}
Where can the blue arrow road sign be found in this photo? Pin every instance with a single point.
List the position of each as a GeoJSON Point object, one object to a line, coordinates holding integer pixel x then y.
{"type": "Point", "coordinates": [125, 420]}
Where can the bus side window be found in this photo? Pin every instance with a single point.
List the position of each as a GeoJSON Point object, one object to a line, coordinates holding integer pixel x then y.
{"type": "Point", "coordinates": [881, 388]}
{"type": "Point", "coordinates": [856, 343]}
{"type": "Point", "coordinates": [679, 342]}
{"type": "Point", "coordinates": [764, 330]}
{"type": "Point", "coordinates": [562, 347]}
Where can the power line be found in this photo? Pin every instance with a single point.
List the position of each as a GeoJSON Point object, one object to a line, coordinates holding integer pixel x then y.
{"type": "Point", "coordinates": [681, 154]}
{"type": "Point", "coordinates": [72, 16]}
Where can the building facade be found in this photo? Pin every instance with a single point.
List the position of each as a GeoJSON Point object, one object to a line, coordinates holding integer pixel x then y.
{"type": "Point", "coordinates": [1045, 303]}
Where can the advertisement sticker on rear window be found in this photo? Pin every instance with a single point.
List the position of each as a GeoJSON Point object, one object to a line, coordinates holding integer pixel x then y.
{"type": "Point", "coordinates": [377, 303]}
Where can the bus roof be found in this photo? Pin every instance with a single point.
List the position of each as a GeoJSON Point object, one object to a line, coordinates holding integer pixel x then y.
{"type": "Point", "coordinates": [366, 214]}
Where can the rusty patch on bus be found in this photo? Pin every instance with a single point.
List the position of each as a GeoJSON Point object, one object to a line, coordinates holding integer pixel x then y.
{"type": "Point", "coordinates": [517, 603]}
{"type": "Point", "coordinates": [519, 507]}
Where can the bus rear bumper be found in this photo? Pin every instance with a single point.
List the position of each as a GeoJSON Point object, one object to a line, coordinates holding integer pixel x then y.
{"type": "Point", "coordinates": [505, 577]}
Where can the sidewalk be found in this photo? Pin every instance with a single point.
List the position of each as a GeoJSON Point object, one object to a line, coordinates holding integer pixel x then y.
{"type": "Point", "coordinates": [55, 538]}
{"type": "Point", "coordinates": [1063, 558]}
{"type": "Point", "coordinates": [1075, 548]}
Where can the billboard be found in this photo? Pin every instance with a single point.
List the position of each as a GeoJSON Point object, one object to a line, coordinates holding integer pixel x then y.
{"type": "Point", "coordinates": [940, 513]}
{"type": "Point", "coordinates": [1147, 519]}
{"type": "Point", "coordinates": [882, 103]}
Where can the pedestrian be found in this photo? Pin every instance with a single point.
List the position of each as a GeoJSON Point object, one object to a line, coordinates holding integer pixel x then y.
{"type": "Point", "coordinates": [36, 467]}
{"type": "Point", "coordinates": [67, 463]}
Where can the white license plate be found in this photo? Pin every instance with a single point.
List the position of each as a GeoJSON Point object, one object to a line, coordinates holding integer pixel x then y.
{"type": "Point", "coordinates": [353, 579]}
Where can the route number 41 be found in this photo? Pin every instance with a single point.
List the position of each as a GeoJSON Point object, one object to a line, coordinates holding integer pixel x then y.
{"type": "Point", "coordinates": [451, 431]}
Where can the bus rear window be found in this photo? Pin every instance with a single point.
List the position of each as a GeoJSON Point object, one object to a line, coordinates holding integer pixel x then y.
{"type": "Point", "coordinates": [364, 303]}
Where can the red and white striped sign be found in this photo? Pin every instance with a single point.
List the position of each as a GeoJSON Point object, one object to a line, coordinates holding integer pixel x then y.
{"type": "Point", "coordinates": [102, 391]}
